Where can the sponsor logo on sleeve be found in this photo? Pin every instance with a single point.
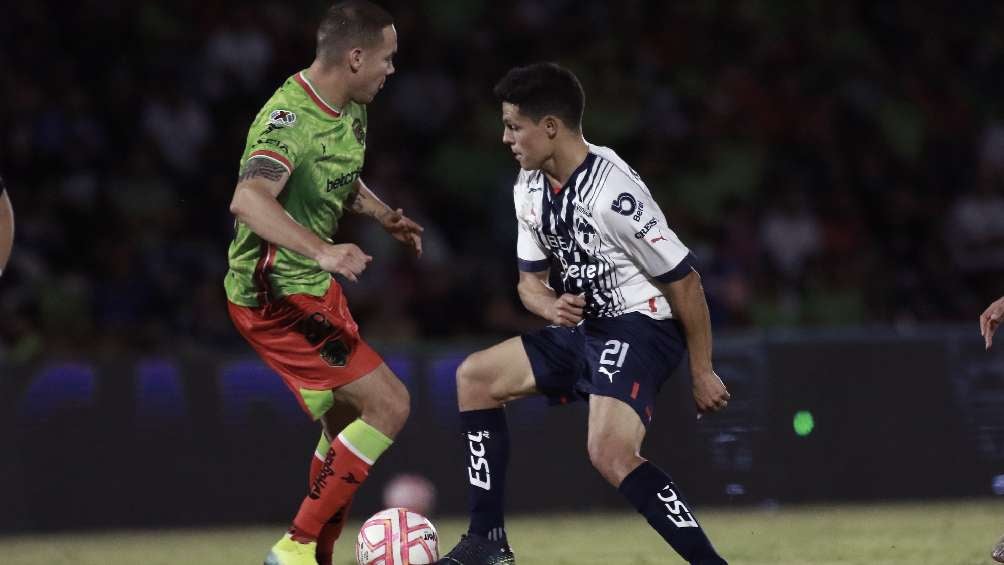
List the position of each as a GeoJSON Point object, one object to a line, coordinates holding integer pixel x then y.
{"type": "Point", "coordinates": [638, 212]}
{"type": "Point", "coordinates": [275, 143]}
{"type": "Point", "coordinates": [281, 118]}
{"type": "Point", "coordinates": [646, 228]}
{"type": "Point", "coordinates": [625, 204]}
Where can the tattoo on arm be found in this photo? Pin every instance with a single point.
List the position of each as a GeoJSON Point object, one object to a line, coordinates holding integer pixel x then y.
{"type": "Point", "coordinates": [358, 204]}
{"type": "Point", "coordinates": [264, 168]}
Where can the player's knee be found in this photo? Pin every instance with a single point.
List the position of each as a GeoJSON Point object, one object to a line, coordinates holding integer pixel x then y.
{"type": "Point", "coordinates": [470, 378]}
{"type": "Point", "coordinates": [399, 405]}
{"type": "Point", "coordinates": [613, 459]}
{"type": "Point", "coordinates": [389, 411]}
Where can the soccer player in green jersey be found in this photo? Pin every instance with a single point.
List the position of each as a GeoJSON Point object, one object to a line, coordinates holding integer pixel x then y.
{"type": "Point", "coordinates": [300, 172]}
{"type": "Point", "coordinates": [6, 227]}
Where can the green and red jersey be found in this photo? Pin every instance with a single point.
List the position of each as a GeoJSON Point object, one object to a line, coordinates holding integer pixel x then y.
{"type": "Point", "coordinates": [322, 148]}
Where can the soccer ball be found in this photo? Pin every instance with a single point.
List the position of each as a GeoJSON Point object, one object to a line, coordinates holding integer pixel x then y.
{"type": "Point", "coordinates": [397, 536]}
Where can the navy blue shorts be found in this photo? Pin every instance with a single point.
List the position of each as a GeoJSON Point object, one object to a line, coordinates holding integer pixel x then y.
{"type": "Point", "coordinates": [628, 358]}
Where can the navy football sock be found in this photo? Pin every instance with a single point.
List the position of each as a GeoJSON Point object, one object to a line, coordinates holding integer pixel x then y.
{"type": "Point", "coordinates": [486, 441]}
{"type": "Point", "coordinates": [653, 494]}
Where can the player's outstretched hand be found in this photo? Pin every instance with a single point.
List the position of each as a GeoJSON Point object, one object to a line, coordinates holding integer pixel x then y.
{"type": "Point", "coordinates": [710, 392]}
{"type": "Point", "coordinates": [404, 229]}
{"type": "Point", "coordinates": [566, 310]}
{"type": "Point", "coordinates": [345, 259]}
{"type": "Point", "coordinates": [990, 319]}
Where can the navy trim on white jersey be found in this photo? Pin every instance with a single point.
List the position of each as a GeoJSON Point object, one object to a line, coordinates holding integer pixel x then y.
{"type": "Point", "coordinates": [533, 266]}
{"type": "Point", "coordinates": [679, 271]}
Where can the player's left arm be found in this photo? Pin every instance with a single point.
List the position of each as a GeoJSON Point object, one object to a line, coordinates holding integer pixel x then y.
{"type": "Point", "coordinates": [690, 308]}
{"type": "Point", "coordinates": [401, 227]}
{"type": "Point", "coordinates": [6, 227]}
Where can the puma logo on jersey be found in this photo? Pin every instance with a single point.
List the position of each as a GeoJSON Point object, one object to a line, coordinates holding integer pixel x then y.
{"type": "Point", "coordinates": [608, 373]}
{"type": "Point", "coordinates": [655, 239]}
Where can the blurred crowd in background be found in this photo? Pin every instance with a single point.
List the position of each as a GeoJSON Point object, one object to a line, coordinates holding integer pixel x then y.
{"type": "Point", "coordinates": [830, 163]}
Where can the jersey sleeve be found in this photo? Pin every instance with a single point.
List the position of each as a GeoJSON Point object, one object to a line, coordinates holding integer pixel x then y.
{"type": "Point", "coordinates": [632, 219]}
{"type": "Point", "coordinates": [531, 257]}
{"type": "Point", "coordinates": [276, 135]}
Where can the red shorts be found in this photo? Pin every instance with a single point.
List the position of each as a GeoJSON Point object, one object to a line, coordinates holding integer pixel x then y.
{"type": "Point", "coordinates": [312, 342]}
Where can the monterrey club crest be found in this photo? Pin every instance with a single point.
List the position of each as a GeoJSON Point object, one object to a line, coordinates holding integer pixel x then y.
{"type": "Point", "coordinates": [357, 129]}
{"type": "Point", "coordinates": [281, 118]}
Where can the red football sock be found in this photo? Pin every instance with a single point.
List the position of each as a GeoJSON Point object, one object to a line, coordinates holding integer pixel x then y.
{"type": "Point", "coordinates": [334, 484]}
{"type": "Point", "coordinates": [333, 529]}
{"type": "Point", "coordinates": [330, 534]}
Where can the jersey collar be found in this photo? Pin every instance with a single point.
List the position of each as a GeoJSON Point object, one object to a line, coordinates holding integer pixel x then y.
{"type": "Point", "coordinates": [328, 109]}
{"type": "Point", "coordinates": [583, 166]}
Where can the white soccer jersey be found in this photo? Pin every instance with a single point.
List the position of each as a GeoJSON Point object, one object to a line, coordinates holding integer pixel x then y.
{"type": "Point", "coordinates": [605, 231]}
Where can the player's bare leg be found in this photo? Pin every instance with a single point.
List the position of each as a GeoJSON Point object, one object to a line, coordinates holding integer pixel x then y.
{"type": "Point", "coordinates": [380, 398]}
{"type": "Point", "coordinates": [614, 440]}
{"type": "Point", "coordinates": [494, 376]}
{"type": "Point", "coordinates": [383, 404]}
{"type": "Point", "coordinates": [615, 436]}
{"type": "Point", "coordinates": [486, 380]}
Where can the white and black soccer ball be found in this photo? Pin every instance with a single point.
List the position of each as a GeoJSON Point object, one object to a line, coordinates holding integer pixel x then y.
{"type": "Point", "coordinates": [397, 536]}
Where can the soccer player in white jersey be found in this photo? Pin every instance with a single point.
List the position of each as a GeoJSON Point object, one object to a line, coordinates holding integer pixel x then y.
{"type": "Point", "coordinates": [629, 305]}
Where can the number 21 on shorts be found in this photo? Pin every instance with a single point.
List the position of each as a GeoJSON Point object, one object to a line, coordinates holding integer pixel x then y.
{"type": "Point", "coordinates": [613, 355]}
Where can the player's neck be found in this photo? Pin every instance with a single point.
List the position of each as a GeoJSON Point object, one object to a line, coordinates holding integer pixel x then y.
{"type": "Point", "coordinates": [328, 84]}
{"type": "Point", "coordinates": [566, 158]}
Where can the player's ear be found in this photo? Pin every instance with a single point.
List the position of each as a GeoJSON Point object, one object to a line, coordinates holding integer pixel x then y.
{"type": "Point", "coordinates": [550, 126]}
{"type": "Point", "coordinates": [355, 59]}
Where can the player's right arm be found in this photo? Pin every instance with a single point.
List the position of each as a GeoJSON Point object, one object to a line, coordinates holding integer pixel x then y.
{"type": "Point", "coordinates": [539, 298]}
{"type": "Point", "coordinates": [255, 203]}
{"type": "Point", "coordinates": [6, 227]}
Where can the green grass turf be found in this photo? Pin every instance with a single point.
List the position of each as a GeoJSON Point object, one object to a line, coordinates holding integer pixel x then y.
{"type": "Point", "coordinates": [942, 533]}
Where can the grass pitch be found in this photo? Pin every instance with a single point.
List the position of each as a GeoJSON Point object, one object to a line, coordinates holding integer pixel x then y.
{"type": "Point", "coordinates": [943, 533]}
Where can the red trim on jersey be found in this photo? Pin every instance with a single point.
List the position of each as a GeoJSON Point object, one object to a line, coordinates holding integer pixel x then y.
{"type": "Point", "coordinates": [651, 305]}
{"type": "Point", "coordinates": [317, 99]}
{"type": "Point", "coordinates": [272, 154]}
{"type": "Point", "coordinates": [634, 390]}
{"type": "Point", "coordinates": [262, 269]}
